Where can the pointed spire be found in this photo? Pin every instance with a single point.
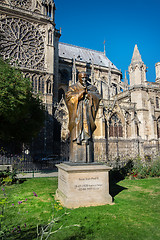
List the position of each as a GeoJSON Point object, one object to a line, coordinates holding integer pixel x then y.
{"type": "Point", "coordinates": [74, 64]}
{"type": "Point", "coordinates": [125, 74]}
{"type": "Point", "coordinates": [137, 69]}
{"type": "Point", "coordinates": [125, 79]}
{"type": "Point", "coordinates": [136, 55]}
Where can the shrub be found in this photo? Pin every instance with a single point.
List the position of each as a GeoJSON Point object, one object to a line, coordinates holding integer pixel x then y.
{"type": "Point", "coordinates": [155, 170]}
{"type": "Point", "coordinates": [137, 168]}
{"type": "Point", "coordinates": [7, 177]}
{"type": "Point", "coordinates": [146, 169]}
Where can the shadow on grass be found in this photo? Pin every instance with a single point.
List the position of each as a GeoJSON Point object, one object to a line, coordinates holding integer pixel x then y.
{"type": "Point", "coordinates": [22, 235]}
{"type": "Point", "coordinates": [117, 175]}
{"type": "Point", "coordinates": [30, 234]}
{"type": "Point", "coordinates": [21, 180]}
{"type": "Point", "coordinates": [115, 189]}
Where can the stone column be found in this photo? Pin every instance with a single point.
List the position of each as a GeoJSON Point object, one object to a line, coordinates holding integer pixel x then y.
{"type": "Point", "coordinates": [133, 126]}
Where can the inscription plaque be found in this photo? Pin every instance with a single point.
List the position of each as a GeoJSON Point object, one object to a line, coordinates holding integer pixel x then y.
{"type": "Point", "coordinates": [83, 185]}
{"type": "Point", "coordinates": [88, 184]}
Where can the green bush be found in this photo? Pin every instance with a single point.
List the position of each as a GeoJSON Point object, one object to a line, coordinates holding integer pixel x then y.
{"type": "Point", "coordinates": [7, 177]}
{"type": "Point", "coordinates": [146, 169]}
{"type": "Point", "coordinates": [155, 170]}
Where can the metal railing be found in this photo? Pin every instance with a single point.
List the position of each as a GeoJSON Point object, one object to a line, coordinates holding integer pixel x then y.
{"type": "Point", "coordinates": [24, 163]}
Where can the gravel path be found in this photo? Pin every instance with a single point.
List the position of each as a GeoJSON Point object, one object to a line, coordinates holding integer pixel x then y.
{"type": "Point", "coordinates": [39, 174]}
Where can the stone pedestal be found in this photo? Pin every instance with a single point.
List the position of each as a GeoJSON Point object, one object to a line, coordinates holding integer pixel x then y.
{"type": "Point", "coordinates": [83, 185]}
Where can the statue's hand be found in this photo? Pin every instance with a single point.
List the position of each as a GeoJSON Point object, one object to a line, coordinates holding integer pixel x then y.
{"type": "Point", "coordinates": [88, 96]}
{"type": "Point", "coordinates": [81, 95]}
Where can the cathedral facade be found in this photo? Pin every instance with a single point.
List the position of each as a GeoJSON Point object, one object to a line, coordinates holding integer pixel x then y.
{"type": "Point", "coordinates": [128, 120]}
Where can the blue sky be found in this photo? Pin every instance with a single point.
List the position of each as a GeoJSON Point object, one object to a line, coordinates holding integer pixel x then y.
{"type": "Point", "coordinates": [121, 23]}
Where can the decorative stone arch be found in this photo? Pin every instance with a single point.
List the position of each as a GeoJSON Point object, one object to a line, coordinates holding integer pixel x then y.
{"type": "Point", "coordinates": [116, 125]}
{"type": "Point", "coordinates": [37, 82]}
{"type": "Point", "coordinates": [48, 8]}
{"type": "Point", "coordinates": [28, 75]}
{"type": "Point", "coordinates": [41, 84]}
{"type": "Point", "coordinates": [37, 6]}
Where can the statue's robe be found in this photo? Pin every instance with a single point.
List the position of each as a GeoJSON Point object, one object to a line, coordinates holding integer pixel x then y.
{"type": "Point", "coordinates": [82, 112]}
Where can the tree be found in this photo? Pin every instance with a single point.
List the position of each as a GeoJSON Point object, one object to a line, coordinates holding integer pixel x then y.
{"type": "Point", "coordinates": [21, 113]}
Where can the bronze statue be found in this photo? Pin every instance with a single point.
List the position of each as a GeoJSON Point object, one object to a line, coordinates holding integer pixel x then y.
{"type": "Point", "coordinates": [82, 100]}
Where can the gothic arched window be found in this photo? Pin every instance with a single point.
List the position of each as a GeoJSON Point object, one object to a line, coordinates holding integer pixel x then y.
{"type": "Point", "coordinates": [35, 84]}
{"type": "Point", "coordinates": [115, 126]}
{"type": "Point", "coordinates": [41, 85]}
{"type": "Point", "coordinates": [120, 130]}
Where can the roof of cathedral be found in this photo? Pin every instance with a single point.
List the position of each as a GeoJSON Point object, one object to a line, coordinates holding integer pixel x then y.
{"type": "Point", "coordinates": [84, 55]}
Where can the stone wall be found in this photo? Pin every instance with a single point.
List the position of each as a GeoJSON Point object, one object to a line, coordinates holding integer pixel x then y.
{"type": "Point", "coordinates": [117, 152]}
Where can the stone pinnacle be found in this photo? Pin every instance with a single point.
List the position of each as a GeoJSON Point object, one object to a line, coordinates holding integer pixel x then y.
{"type": "Point", "coordinates": [136, 55]}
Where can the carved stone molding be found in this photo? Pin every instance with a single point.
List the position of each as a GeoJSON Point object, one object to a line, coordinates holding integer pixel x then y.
{"type": "Point", "coordinates": [62, 116]}
{"type": "Point", "coordinates": [24, 44]}
{"type": "Point", "coordinates": [25, 4]}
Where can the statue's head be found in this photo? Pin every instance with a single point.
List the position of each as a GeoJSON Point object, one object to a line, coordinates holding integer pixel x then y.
{"type": "Point", "coordinates": [82, 77]}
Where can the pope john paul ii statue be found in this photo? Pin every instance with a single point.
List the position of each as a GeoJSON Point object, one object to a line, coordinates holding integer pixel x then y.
{"type": "Point", "coordinates": [82, 100]}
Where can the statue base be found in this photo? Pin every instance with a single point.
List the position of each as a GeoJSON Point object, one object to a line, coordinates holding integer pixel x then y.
{"type": "Point", "coordinates": [83, 184]}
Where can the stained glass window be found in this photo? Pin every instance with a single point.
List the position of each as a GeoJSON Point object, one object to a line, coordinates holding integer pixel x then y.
{"type": "Point", "coordinates": [115, 127]}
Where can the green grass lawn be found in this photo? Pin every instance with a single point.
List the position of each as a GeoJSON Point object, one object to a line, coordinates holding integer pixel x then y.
{"type": "Point", "coordinates": [135, 214]}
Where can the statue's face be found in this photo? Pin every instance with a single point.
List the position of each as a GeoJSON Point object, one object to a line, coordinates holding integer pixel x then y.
{"type": "Point", "coordinates": [83, 78]}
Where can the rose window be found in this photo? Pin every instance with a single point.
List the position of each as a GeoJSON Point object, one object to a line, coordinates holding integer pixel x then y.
{"type": "Point", "coordinates": [23, 43]}
{"type": "Point", "coordinates": [26, 4]}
